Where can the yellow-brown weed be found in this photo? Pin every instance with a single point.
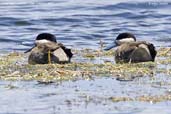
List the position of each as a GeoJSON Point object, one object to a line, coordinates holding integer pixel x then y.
{"type": "Point", "coordinates": [14, 66]}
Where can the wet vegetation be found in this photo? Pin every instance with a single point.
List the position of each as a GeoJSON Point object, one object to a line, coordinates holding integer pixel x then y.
{"type": "Point", "coordinates": [91, 63]}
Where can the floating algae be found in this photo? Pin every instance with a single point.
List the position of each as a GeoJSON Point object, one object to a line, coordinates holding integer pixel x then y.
{"type": "Point", "coordinates": [144, 98]}
{"type": "Point", "coordinates": [12, 67]}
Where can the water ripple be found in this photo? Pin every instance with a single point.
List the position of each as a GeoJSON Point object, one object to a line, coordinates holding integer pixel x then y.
{"type": "Point", "coordinates": [83, 23]}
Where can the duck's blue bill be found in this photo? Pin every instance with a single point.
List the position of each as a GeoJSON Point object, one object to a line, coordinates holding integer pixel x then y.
{"type": "Point", "coordinates": [29, 50]}
{"type": "Point", "coordinates": [110, 46]}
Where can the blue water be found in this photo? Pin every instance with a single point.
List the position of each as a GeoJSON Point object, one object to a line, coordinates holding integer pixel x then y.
{"type": "Point", "coordinates": [80, 97]}
{"type": "Point", "coordinates": [81, 24]}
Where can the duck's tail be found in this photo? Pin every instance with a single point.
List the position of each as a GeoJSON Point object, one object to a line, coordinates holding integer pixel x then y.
{"type": "Point", "coordinates": [152, 50]}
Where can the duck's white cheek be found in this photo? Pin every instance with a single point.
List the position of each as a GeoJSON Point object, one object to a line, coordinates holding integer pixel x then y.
{"type": "Point", "coordinates": [42, 41]}
{"type": "Point", "coordinates": [125, 40]}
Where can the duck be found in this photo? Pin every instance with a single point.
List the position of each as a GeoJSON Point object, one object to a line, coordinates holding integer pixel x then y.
{"type": "Point", "coordinates": [128, 50]}
{"type": "Point", "coordinates": [48, 50]}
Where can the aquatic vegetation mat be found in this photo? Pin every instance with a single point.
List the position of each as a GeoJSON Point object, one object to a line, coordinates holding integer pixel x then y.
{"type": "Point", "coordinates": [88, 64]}
{"type": "Point", "coordinates": [151, 99]}
{"type": "Point", "coordinates": [14, 66]}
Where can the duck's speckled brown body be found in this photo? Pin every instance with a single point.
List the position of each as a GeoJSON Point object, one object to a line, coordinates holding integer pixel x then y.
{"type": "Point", "coordinates": [132, 51]}
{"type": "Point", "coordinates": [48, 51]}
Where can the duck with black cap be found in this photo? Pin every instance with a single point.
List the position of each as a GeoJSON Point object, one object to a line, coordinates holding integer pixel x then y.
{"type": "Point", "coordinates": [132, 51]}
{"type": "Point", "coordinates": [47, 50]}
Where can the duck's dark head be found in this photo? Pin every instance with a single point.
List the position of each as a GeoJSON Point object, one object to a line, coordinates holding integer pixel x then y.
{"type": "Point", "coordinates": [120, 39]}
{"type": "Point", "coordinates": [45, 37]}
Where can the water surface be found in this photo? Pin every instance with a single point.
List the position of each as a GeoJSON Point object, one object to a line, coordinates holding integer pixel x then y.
{"type": "Point", "coordinates": [81, 24]}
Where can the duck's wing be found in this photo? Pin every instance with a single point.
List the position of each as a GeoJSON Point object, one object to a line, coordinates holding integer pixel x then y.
{"type": "Point", "coordinates": [140, 55]}
{"type": "Point", "coordinates": [137, 43]}
{"type": "Point", "coordinates": [126, 48]}
{"type": "Point", "coordinates": [66, 50]}
{"type": "Point", "coordinates": [123, 52]}
{"type": "Point", "coordinates": [45, 47]}
{"type": "Point", "coordinates": [149, 47]}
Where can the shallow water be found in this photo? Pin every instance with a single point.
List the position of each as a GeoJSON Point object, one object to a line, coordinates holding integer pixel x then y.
{"type": "Point", "coordinates": [77, 97]}
{"type": "Point", "coordinates": [81, 96]}
{"type": "Point", "coordinates": [81, 24]}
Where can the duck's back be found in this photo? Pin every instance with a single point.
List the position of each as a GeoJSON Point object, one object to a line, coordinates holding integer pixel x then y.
{"type": "Point", "coordinates": [123, 53]}
{"type": "Point", "coordinates": [141, 54]}
{"type": "Point", "coordinates": [39, 54]}
{"type": "Point", "coordinates": [61, 55]}
{"type": "Point", "coordinates": [135, 52]}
